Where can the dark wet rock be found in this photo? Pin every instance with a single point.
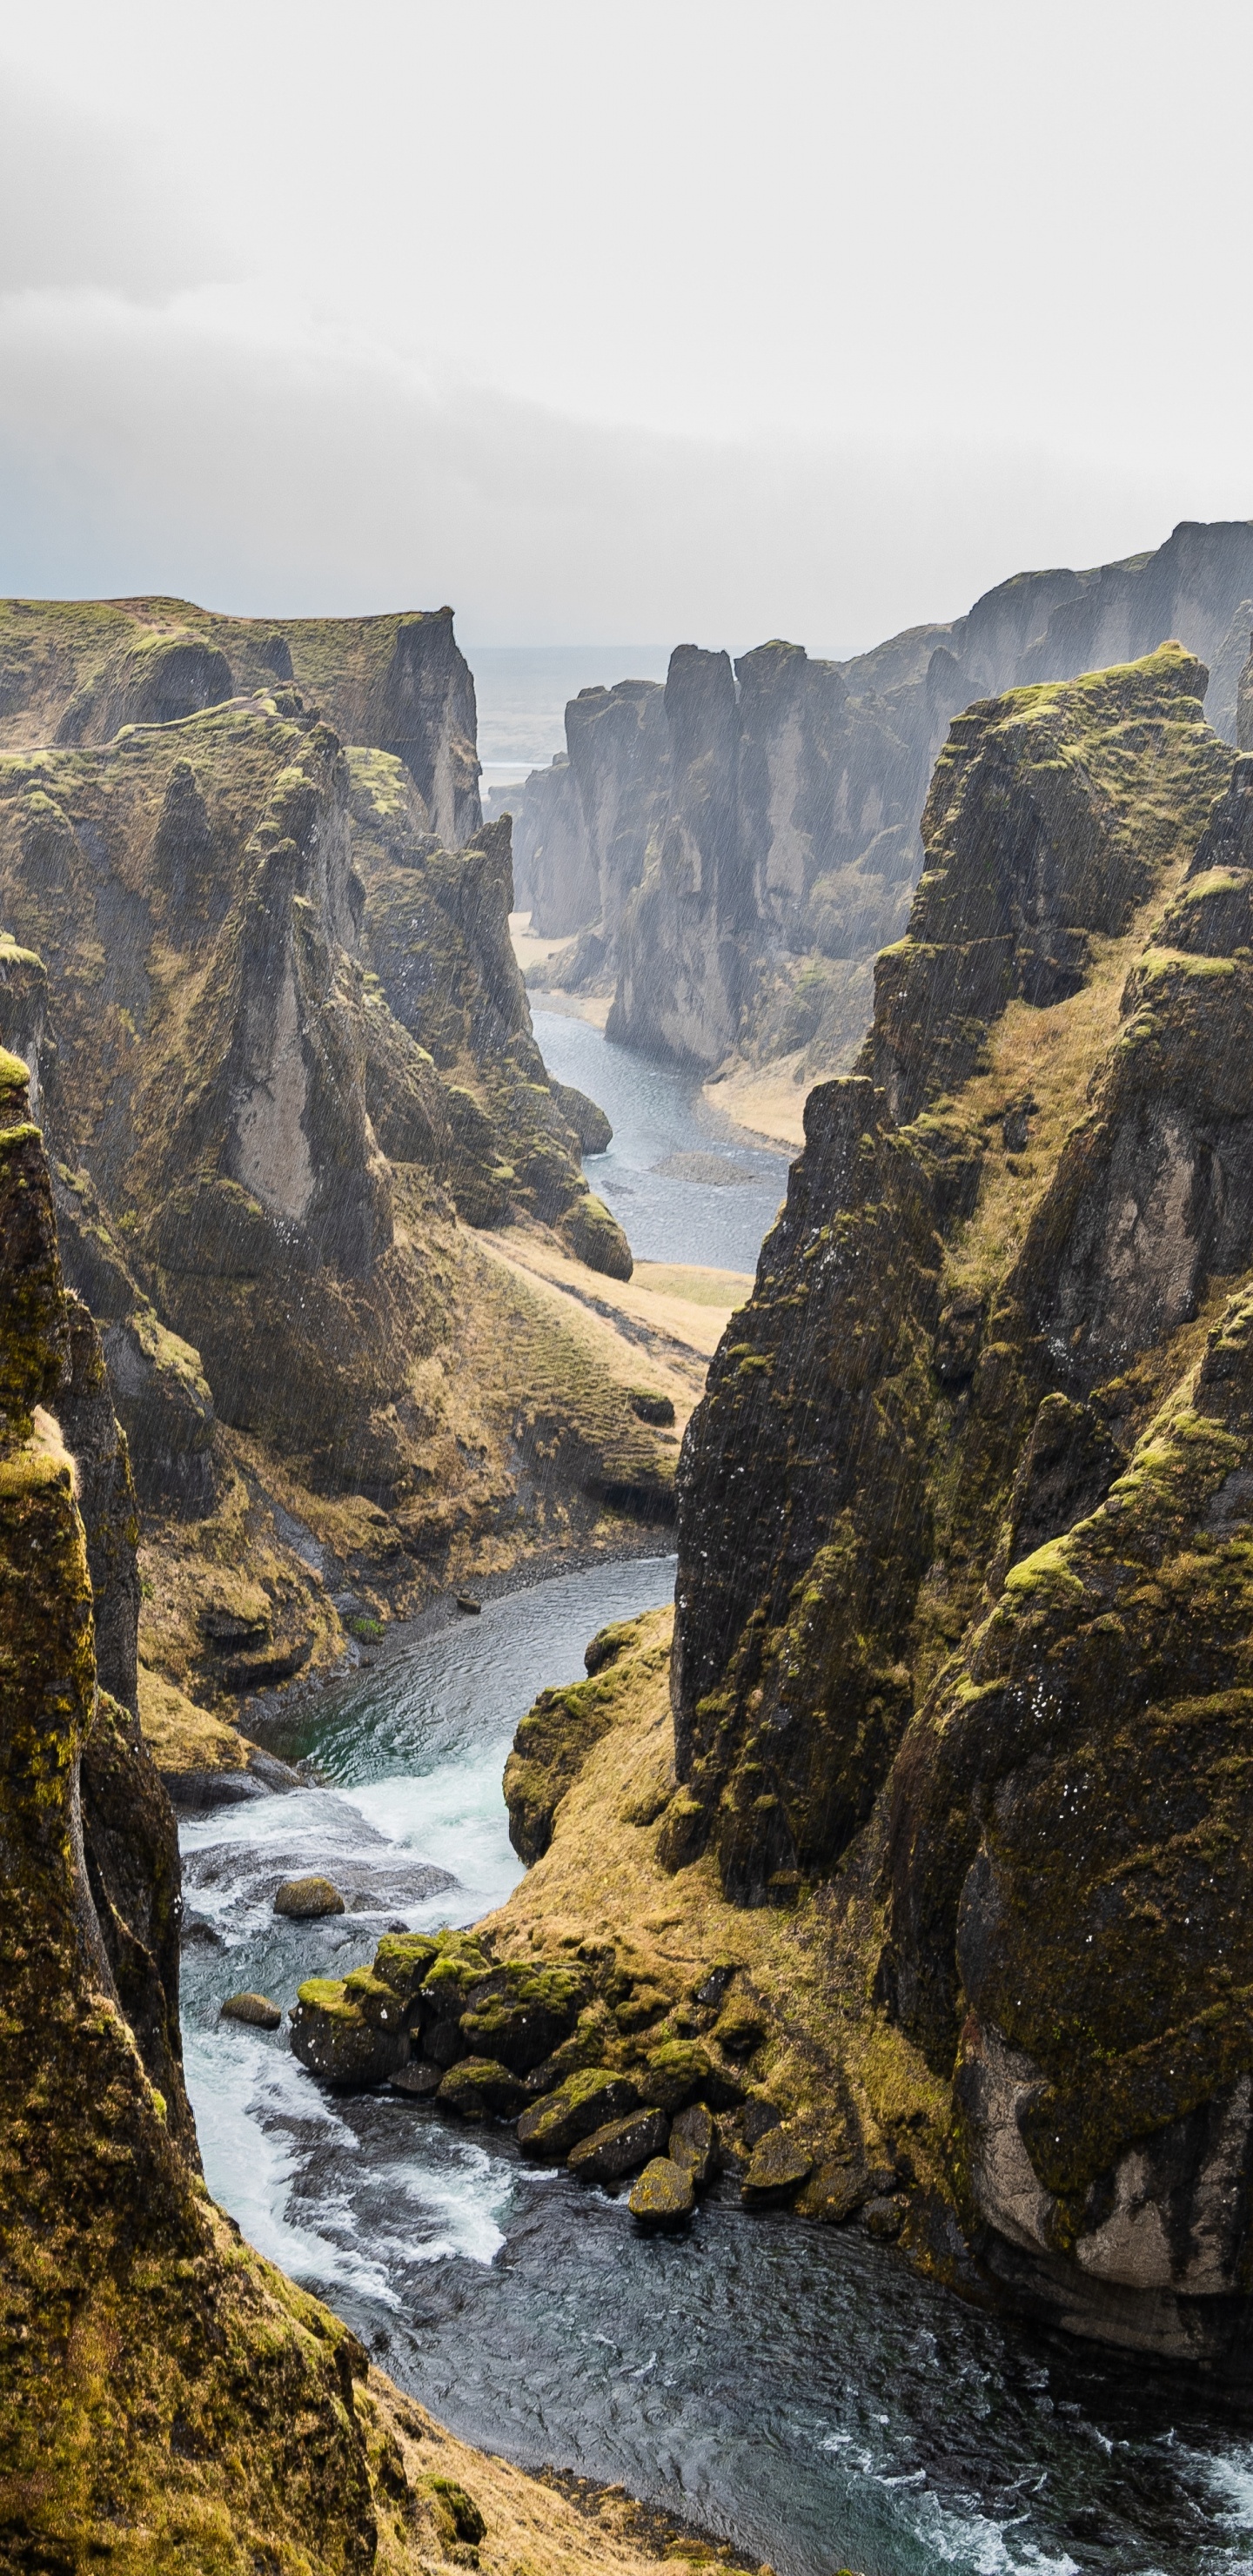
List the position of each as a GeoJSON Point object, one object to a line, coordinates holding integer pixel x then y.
{"type": "Point", "coordinates": [777, 2167]}
{"type": "Point", "coordinates": [419, 2077]}
{"type": "Point", "coordinates": [332, 2037]}
{"type": "Point", "coordinates": [256, 2010]}
{"type": "Point", "coordinates": [480, 2088]}
{"type": "Point", "coordinates": [884, 2217]}
{"type": "Point", "coordinates": [586, 2101]}
{"type": "Point", "coordinates": [621, 2147]}
{"type": "Point", "coordinates": [664, 2195]}
{"type": "Point", "coordinates": [304, 1900]}
{"type": "Point", "coordinates": [694, 2142]}
{"type": "Point", "coordinates": [467, 1602]}
{"type": "Point", "coordinates": [834, 2191]}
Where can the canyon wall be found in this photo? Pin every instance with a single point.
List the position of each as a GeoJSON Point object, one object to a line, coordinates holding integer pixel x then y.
{"type": "Point", "coordinates": [752, 932]}
{"type": "Point", "coordinates": [75, 671]}
{"type": "Point", "coordinates": [282, 1055]}
{"type": "Point", "coordinates": [167, 2397]}
{"type": "Point", "coordinates": [963, 1603]}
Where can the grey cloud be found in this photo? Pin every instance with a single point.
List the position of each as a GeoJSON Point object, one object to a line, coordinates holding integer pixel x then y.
{"type": "Point", "coordinates": [94, 202]}
{"type": "Point", "coordinates": [227, 454]}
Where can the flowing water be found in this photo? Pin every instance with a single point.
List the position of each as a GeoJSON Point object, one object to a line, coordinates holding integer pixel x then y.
{"type": "Point", "coordinates": [793, 2387]}
{"type": "Point", "coordinates": [685, 1184]}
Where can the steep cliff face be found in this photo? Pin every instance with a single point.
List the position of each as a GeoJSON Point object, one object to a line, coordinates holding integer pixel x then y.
{"type": "Point", "coordinates": [166, 2397]}
{"type": "Point", "coordinates": [583, 826]}
{"type": "Point", "coordinates": [279, 1041]}
{"type": "Point", "coordinates": [827, 768]}
{"type": "Point", "coordinates": [74, 671]}
{"type": "Point", "coordinates": [962, 1607]}
{"type": "Point", "coordinates": [687, 930]}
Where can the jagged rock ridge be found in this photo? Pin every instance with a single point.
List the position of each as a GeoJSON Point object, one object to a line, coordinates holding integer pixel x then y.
{"type": "Point", "coordinates": [734, 856]}
{"type": "Point", "coordinates": [279, 1045]}
{"type": "Point", "coordinates": [963, 1599]}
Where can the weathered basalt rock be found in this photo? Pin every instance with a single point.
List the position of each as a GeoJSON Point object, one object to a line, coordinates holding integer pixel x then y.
{"type": "Point", "coordinates": [754, 933]}
{"type": "Point", "coordinates": [961, 1609]}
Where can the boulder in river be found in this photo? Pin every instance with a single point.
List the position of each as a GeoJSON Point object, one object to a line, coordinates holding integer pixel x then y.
{"type": "Point", "coordinates": [621, 2147]}
{"type": "Point", "coordinates": [331, 2036]}
{"type": "Point", "coordinates": [480, 2088]}
{"type": "Point", "coordinates": [586, 2101]}
{"type": "Point", "coordinates": [305, 1900]}
{"type": "Point", "coordinates": [257, 2010]}
{"type": "Point", "coordinates": [664, 2195]}
{"type": "Point", "coordinates": [693, 2142]}
{"type": "Point", "coordinates": [418, 2078]}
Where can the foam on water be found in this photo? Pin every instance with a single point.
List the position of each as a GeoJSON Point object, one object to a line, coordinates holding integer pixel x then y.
{"type": "Point", "coordinates": [798, 2389]}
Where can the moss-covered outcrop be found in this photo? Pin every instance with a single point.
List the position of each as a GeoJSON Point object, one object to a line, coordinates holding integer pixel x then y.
{"type": "Point", "coordinates": [258, 1170]}
{"type": "Point", "coordinates": [436, 933]}
{"type": "Point", "coordinates": [960, 1612]}
{"type": "Point", "coordinates": [76, 671]}
{"type": "Point", "coordinates": [166, 2397]}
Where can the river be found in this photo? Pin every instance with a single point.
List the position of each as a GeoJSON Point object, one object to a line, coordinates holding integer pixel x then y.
{"type": "Point", "coordinates": [795, 2388]}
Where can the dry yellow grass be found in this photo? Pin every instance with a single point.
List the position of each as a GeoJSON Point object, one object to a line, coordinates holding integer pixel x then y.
{"type": "Point", "coordinates": [1047, 1056]}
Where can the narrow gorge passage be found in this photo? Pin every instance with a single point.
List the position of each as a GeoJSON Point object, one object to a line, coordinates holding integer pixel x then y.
{"type": "Point", "coordinates": [685, 1184]}
{"type": "Point", "coordinates": [775, 2381]}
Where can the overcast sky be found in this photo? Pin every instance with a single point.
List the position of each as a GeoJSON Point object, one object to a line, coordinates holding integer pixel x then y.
{"type": "Point", "coordinates": [617, 320]}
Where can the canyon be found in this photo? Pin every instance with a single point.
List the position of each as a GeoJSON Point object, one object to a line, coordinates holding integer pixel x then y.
{"type": "Point", "coordinates": [898, 1876]}
{"type": "Point", "coordinates": [726, 855]}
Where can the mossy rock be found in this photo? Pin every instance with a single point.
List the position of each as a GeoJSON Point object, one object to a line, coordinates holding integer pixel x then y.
{"type": "Point", "coordinates": [621, 2147]}
{"type": "Point", "coordinates": [649, 1404]}
{"type": "Point", "coordinates": [586, 2101]}
{"type": "Point", "coordinates": [404, 1961]}
{"type": "Point", "coordinates": [480, 2088]}
{"type": "Point", "coordinates": [681, 2070]}
{"type": "Point", "coordinates": [694, 2142]}
{"type": "Point", "coordinates": [376, 2001]}
{"type": "Point", "coordinates": [520, 2014]}
{"type": "Point", "coordinates": [307, 1900]}
{"type": "Point", "coordinates": [458, 2519]}
{"type": "Point", "coordinates": [596, 1238]}
{"type": "Point", "coordinates": [330, 2035]}
{"type": "Point", "coordinates": [664, 2196]}
{"type": "Point", "coordinates": [778, 2166]}
{"type": "Point", "coordinates": [256, 2010]}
